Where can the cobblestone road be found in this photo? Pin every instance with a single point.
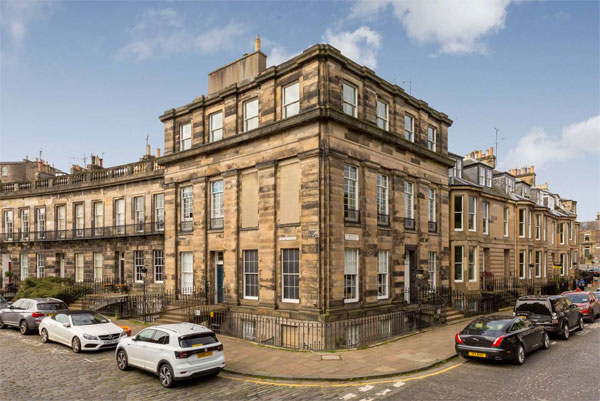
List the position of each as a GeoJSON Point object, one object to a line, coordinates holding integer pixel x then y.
{"type": "Point", "coordinates": [32, 370]}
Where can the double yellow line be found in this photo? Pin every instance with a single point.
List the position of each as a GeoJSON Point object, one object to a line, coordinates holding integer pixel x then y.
{"type": "Point", "coordinates": [345, 384]}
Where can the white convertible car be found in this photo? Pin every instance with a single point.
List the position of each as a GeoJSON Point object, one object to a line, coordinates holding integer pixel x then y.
{"type": "Point", "coordinates": [81, 330]}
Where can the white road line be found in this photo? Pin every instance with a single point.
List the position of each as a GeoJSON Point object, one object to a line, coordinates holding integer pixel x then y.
{"type": "Point", "coordinates": [384, 392]}
{"type": "Point", "coordinates": [399, 384]}
{"type": "Point", "coordinates": [366, 399]}
{"type": "Point", "coordinates": [365, 388]}
{"type": "Point", "coordinates": [348, 396]}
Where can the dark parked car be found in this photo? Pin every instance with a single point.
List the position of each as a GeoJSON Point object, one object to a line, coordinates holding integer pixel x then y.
{"type": "Point", "coordinates": [586, 302]}
{"type": "Point", "coordinates": [555, 313]}
{"type": "Point", "coordinates": [499, 337]}
{"type": "Point", "coordinates": [27, 313]}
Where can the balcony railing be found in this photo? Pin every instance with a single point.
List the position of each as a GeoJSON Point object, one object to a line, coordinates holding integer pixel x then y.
{"type": "Point", "coordinates": [432, 226]}
{"type": "Point", "coordinates": [186, 226]}
{"type": "Point", "coordinates": [351, 215]}
{"type": "Point", "coordinates": [409, 224]}
{"type": "Point", "coordinates": [82, 233]}
{"type": "Point", "coordinates": [383, 219]}
{"type": "Point", "coordinates": [216, 223]}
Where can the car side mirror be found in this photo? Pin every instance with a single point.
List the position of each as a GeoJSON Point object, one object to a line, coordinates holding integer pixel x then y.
{"type": "Point", "coordinates": [134, 338]}
{"type": "Point", "coordinates": [66, 325]}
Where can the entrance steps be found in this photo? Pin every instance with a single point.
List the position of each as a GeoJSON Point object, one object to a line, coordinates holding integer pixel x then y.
{"type": "Point", "coordinates": [452, 315]}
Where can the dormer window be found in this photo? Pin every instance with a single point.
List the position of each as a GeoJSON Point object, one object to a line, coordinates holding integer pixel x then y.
{"type": "Point", "coordinates": [481, 176]}
{"type": "Point", "coordinates": [488, 177]}
{"type": "Point", "coordinates": [509, 185]}
{"type": "Point", "coordinates": [485, 177]}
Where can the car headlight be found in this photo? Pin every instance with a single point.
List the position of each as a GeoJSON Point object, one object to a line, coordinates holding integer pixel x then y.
{"type": "Point", "coordinates": [90, 337]}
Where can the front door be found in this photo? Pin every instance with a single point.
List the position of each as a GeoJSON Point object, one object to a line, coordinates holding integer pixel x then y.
{"type": "Point", "coordinates": [121, 267]}
{"type": "Point", "coordinates": [220, 274]}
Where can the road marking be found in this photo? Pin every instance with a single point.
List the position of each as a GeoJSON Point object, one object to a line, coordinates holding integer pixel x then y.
{"type": "Point", "coordinates": [350, 384]}
{"type": "Point", "coordinates": [366, 399]}
{"type": "Point", "coordinates": [365, 388]}
{"type": "Point", "coordinates": [399, 384]}
{"type": "Point", "coordinates": [348, 396]}
{"type": "Point", "coordinates": [384, 392]}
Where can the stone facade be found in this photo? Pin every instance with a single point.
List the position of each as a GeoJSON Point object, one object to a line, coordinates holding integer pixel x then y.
{"type": "Point", "coordinates": [589, 241]}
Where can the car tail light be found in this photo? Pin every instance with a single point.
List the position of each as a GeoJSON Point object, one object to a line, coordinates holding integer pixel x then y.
{"type": "Point", "coordinates": [37, 314]}
{"type": "Point", "coordinates": [497, 341]}
{"type": "Point", "coordinates": [458, 339]}
{"type": "Point", "coordinates": [182, 354]}
{"type": "Point", "coordinates": [219, 348]}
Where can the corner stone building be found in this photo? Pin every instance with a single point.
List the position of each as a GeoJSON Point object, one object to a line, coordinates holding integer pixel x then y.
{"type": "Point", "coordinates": [313, 189]}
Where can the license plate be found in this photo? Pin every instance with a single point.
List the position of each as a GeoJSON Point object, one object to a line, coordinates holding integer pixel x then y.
{"type": "Point", "coordinates": [51, 314]}
{"type": "Point", "coordinates": [477, 354]}
{"type": "Point", "coordinates": [205, 354]}
{"type": "Point", "coordinates": [111, 342]}
{"type": "Point", "coordinates": [523, 317]}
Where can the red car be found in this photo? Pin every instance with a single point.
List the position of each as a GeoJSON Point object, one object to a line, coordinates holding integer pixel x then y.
{"type": "Point", "coordinates": [586, 301]}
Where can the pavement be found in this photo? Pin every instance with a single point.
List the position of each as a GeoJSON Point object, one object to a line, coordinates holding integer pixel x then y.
{"type": "Point", "coordinates": [415, 352]}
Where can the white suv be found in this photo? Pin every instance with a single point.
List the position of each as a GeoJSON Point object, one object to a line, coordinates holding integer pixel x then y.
{"type": "Point", "coordinates": [173, 352]}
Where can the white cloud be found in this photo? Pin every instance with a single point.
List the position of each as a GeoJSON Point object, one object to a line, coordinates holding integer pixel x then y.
{"type": "Point", "coordinates": [279, 54]}
{"type": "Point", "coordinates": [458, 27]}
{"type": "Point", "coordinates": [18, 15]}
{"type": "Point", "coordinates": [159, 33]}
{"type": "Point", "coordinates": [362, 45]}
{"type": "Point", "coordinates": [537, 148]}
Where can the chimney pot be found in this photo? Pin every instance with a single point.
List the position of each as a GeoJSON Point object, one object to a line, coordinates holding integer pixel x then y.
{"type": "Point", "coordinates": [257, 43]}
{"type": "Point", "coordinates": [532, 170]}
{"type": "Point", "coordinates": [492, 151]}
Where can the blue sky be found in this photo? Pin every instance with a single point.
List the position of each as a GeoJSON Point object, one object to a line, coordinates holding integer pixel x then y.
{"type": "Point", "coordinates": [92, 77]}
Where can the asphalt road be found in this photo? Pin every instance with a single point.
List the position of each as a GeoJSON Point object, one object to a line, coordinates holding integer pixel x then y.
{"type": "Point", "coordinates": [568, 371]}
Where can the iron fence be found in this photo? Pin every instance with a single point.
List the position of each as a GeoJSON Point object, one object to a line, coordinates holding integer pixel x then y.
{"type": "Point", "coordinates": [125, 230]}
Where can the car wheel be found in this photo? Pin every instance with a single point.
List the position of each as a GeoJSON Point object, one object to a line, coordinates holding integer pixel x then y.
{"type": "Point", "coordinates": [165, 375]}
{"type": "Point", "coordinates": [520, 356]}
{"type": "Point", "coordinates": [23, 327]}
{"type": "Point", "coordinates": [76, 345]}
{"type": "Point", "coordinates": [44, 335]}
{"type": "Point", "coordinates": [122, 362]}
{"type": "Point", "coordinates": [580, 325]}
{"type": "Point", "coordinates": [546, 341]}
{"type": "Point", "coordinates": [565, 332]}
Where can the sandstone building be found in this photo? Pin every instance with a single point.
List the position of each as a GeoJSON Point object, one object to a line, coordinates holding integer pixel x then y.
{"type": "Point", "coordinates": [589, 241]}
{"type": "Point", "coordinates": [313, 189]}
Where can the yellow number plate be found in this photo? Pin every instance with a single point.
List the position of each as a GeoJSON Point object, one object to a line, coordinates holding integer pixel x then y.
{"type": "Point", "coordinates": [477, 354]}
{"type": "Point", "coordinates": [205, 354]}
{"type": "Point", "coordinates": [50, 314]}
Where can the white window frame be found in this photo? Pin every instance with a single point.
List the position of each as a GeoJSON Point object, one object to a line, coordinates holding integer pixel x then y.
{"type": "Point", "coordinates": [185, 136]}
{"type": "Point", "coordinates": [586, 251]}
{"type": "Point", "coordinates": [250, 121]}
{"type": "Point", "coordinates": [485, 210]}
{"type": "Point", "coordinates": [354, 105]}
{"type": "Point", "coordinates": [98, 260]}
{"type": "Point", "coordinates": [98, 217]}
{"type": "Point", "coordinates": [187, 203]}
{"type": "Point", "coordinates": [586, 238]}
{"type": "Point", "coordinates": [522, 266]}
{"type": "Point", "coordinates": [473, 262]}
{"type": "Point", "coordinates": [553, 231]}
{"type": "Point", "coordinates": [246, 273]}
{"type": "Point", "coordinates": [460, 264]}
{"type": "Point", "coordinates": [187, 268]}
{"type": "Point", "coordinates": [481, 176]}
{"type": "Point", "coordinates": [40, 260]}
{"type": "Point", "coordinates": [409, 201]}
{"type": "Point", "coordinates": [432, 138]}
{"type": "Point", "coordinates": [40, 220]}
{"type": "Point", "coordinates": [431, 206]}
{"type": "Point", "coordinates": [506, 217]}
{"type": "Point", "coordinates": [79, 267]}
{"type": "Point", "coordinates": [139, 217]}
{"type": "Point", "coordinates": [158, 259]}
{"type": "Point", "coordinates": [538, 226]}
{"type": "Point", "coordinates": [351, 255]}
{"type": "Point", "coordinates": [409, 134]}
{"type": "Point", "coordinates": [529, 223]}
{"type": "Point", "coordinates": [292, 251]}
{"type": "Point", "coordinates": [545, 266]}
{"type": "Point", "coordinates": [24, 266]}
{"type": "Point", "coordinates": [538, 264]}
{"type": "Point", "coordinates": [290, 107]}
{"type": "Point", "coordinates": [24, 216]}
{"type": "Point", "coordinates": [561, 231]}
{"type": "Point", "coordinates": [383, 194]}
{"type": "Point", "coordinates": [79, 219]}
{"type": "Point", "coordinates": [217, 200]}
{"type": "Point", "coordinates": [472, 213]}
{"type": "Point", "coordinates": [382, 120]}
{"type": "Point", "coordinates": [4, 171]}
{"type": "Point", "coordinates": [383, 274]}
{"type": "Point", "coordinates": [159, 212]}
{"type": "Point", "coordinates": [8, 225]}
{"type": "Point", "coordinates": [351, 182]}
{"type": "Point", "coordinates": [461, 213]}
{"type": "Point", "coordinates": [120, 215]}
{"type": "Point", "coordinates": [215, 129]}
{"type": "Point", "coordinates": [488, 177]}
{"type": "Point", "coordinates": [432, 269]}
{"type": "Point", "coordinates": [522, 221]}
{"type": "Point", "coordinates": [138, 263]}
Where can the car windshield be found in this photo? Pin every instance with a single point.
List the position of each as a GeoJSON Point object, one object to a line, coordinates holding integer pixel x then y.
{"type": "Point", "coordinates": [535, 307]}
{"type": "Point", "coordinates": [197, 340]}
{"type": "Point", "coordinates": [52, 306]}
{"type": "Point", "coordinates": [482, 326]}
{"type": "Point", "coordinates": [578, 298]}
{"type": "Point", "coordinates": [86, 319]}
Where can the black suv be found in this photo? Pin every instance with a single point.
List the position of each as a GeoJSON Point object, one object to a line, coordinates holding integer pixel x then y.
{"type": "Point", "coordinates": [556, 313]}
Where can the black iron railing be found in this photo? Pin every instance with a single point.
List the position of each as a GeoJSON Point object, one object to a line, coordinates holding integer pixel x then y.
{"type": "Point", "coordinates": [84, 233]}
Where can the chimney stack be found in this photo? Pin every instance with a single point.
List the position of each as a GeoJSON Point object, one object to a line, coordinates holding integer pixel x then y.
{"type": "Point", "coordinates": [598, 216]}
{"type": "Point", "coordinates": [148, 149]}
{"type": "Point", "coordinates": [257, 43]}
{"type": "Point", "coordinates": [157, 152]}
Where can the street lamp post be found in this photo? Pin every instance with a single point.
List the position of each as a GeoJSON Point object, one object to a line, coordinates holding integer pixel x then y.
{"type": "Point", "coordinates": [143, 271]}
